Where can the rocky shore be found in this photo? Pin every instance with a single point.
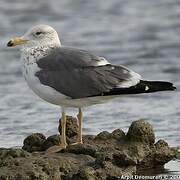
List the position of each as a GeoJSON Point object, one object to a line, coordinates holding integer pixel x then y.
{"type": "Point", "coordinates": [104, 156]}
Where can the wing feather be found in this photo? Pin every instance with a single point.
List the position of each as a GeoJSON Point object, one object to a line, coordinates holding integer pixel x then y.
{"type": "Point", "coordinates": [76, 73]}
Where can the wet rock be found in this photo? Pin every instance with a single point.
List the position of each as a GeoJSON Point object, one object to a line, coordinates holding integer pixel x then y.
{"type": "Point", "coordinates": [71, 126]}
{"type": "Point", "coordinates": [88, 138]}
{"type": "Point", "coordinates": [124, 159]}
{"type": "Point", "coordinates": [13, 153]}
{"type": "Point", "coordinates": [118, 134]}
{"type": "Point", "coordinates": [86, 173]}
{"type": "Point", "coordinates": [141, 131]}
{"type": "Point", "coordinates": [82, 149]}
{"type": "Point", "coordinates": [105, 156]}
{"type": "Point", "coordinates": [103, 135]}
{"type": "Point", "coordinates": [51, 141]}
{"type": "Point", "coordinates": [102, 157]}
{"type": "Point", "coordinates": [38, 142]}
{"type": "Point", "coordinates": [163, 153]}
{"type": "Point", "coordinates": [161, 144]}
{"type": "Point", "coordinates": [34, 142]}
{"type": "Point", "coordinates": [177, 153]}
{"type": "Point", "coordinates": [42, 167]}
{"type": "Point", "coordinates": [111, 172]}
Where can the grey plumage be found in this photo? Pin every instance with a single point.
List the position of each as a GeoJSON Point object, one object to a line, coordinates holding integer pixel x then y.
{"type": "Point", "coordinates": [77, 73]}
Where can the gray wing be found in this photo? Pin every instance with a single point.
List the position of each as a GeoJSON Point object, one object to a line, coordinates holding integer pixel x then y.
{"type": "Point", "coordinates": [66, 57]}
{"type": "Point", "coordinates": [79, 74]}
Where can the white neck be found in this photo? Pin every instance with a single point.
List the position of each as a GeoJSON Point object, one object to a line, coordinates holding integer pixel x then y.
{"type": "Point", "coordinates": [32, 54]}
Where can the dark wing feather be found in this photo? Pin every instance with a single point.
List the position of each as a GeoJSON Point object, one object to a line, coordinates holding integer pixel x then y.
{"type": "Point", "coordinates": [76, 73]}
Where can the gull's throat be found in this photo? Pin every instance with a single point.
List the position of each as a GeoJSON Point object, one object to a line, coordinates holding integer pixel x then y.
{"type": "Point", "coordinates": [33, 54]}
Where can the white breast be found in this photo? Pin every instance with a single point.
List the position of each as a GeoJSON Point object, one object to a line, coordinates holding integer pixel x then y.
{"type": "Point", "coordinates": [45, 92]}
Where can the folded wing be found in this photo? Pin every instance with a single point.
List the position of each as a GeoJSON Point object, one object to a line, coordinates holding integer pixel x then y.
{"type": "Point", "coordinates": [79, 74]}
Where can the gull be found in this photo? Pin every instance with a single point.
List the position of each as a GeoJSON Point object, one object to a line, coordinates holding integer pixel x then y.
{"type": "Point", "coordinates": [70, 77]}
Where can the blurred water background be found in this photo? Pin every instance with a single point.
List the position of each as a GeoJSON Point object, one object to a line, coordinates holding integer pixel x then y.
{"type": "Point", "coordinates": [143, 35]}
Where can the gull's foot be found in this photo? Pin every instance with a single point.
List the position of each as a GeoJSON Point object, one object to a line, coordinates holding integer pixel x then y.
{"type": "Point", "coordinates": [55, 149]}
{"type": "Point", "coordinates": [76, 143]}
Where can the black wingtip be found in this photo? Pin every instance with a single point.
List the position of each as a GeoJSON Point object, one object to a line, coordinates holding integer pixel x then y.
{"type": "Point", "coordinates": [174, 88]}
{"type": "Point", "coordinates": [170, 86]}
{"type": "Point", "coordinates": [159, 86]}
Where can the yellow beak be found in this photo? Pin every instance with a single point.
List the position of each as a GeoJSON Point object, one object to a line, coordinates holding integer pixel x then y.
{"type": "Point", "coordinates": [16, 41]}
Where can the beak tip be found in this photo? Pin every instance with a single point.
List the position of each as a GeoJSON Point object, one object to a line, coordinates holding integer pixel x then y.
{"type": "Point", "coordinates": [10, 43]}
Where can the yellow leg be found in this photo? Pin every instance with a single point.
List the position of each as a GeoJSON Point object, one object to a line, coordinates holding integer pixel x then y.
{"type": "Point", "coordinates": [79, 135]}
{"type": "Point", "coordinates": [63, 143]}
{"type": "Point", "coordinates": [80, 121]}
{"type": "Point", "coordinates": [63, 130]}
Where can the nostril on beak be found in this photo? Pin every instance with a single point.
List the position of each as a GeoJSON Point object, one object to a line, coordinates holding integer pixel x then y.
{"type": "Point", "coordinates": [10, 43]}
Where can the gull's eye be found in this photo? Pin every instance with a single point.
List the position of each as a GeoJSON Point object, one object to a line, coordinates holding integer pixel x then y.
{"type": "Point", "coordinates": [38, 33]}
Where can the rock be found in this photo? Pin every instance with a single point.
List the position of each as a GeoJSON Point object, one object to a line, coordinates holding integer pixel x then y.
{"type": "Point", "coordinates": [102, 157]}
{"type": "Point", "coordinates": [34, 142]}
{"type": "Point", "coordinates": [118, 134]}
{"type": "Point", "coordinates": [82, 149]}
{"type": "Point", "coordinates": [105, 156]}
{"type": "Point", "coordinates": [13, 153]}
{"type": "Point", "coordinates": [141, 131]}
{"type": "Point", "coordinates": [124, 159]}
{"type": "Point", "coordinates": [163, 153]}
{"type": "Point", "coordinates": [111, 172]}
{"type": "Point", "coordinates": [177, 153]}
{"type": "Point", "coordinates": [38, 142]}
{"type": "Point", "coordinates": [71, 126]}
{"type": "Point", "coordinates": [88, 138]}
{"type": "Point", "coordinates": [161, 144]}
{"type": "Point", "coordinates": [103, 135]}
{"type": "Point", "coordinates": [86, 173]}
{"type": "Point", "coordinates": [52, 140]}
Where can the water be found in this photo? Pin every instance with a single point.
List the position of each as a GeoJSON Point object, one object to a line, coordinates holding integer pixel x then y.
{"type": "Point", "coordinates": [143, 35]}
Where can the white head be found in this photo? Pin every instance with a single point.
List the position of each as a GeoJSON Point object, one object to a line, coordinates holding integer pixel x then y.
{"type": "Point", "coordinates": [37, 36]}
